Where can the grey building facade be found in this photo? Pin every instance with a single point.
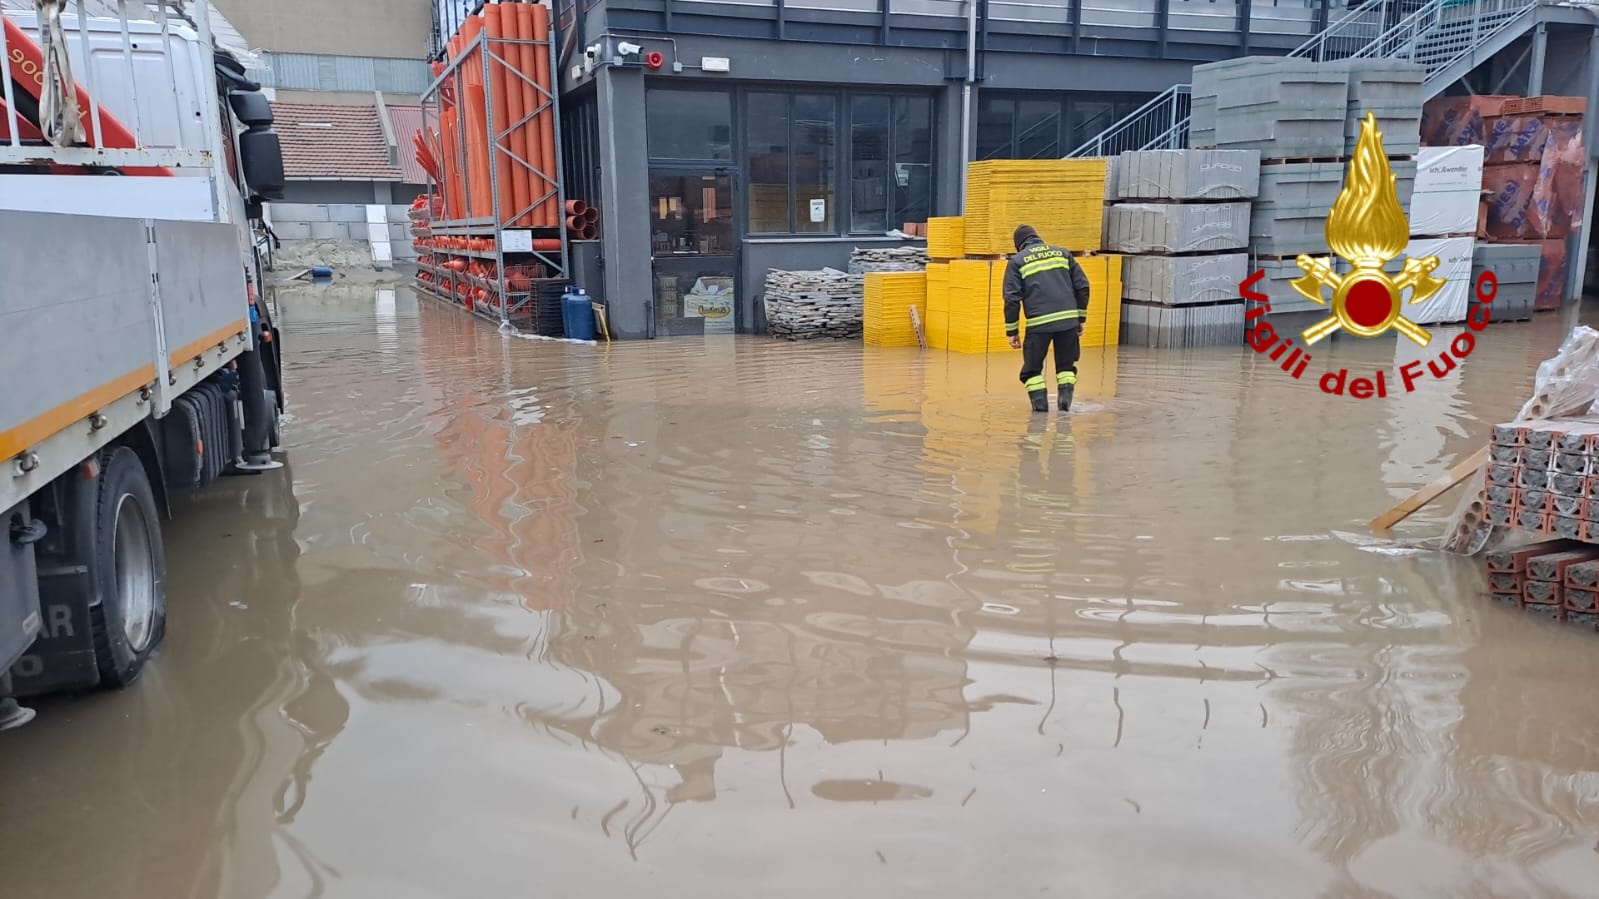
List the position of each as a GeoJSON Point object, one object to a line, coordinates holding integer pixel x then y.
{"type": "Point", "coordinates": [784, 133]}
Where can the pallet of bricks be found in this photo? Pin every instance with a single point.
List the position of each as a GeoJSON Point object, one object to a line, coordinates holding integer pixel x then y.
{"type": "Point", "coordinates": [1304, 118]}
{"type": "Point", "coordinates": [1532, 187]}
{"type": "Point", "coordinates": [1064, 199]}
{"type": "Point", "coordinates": [1543, 479]}
{"type": "Point", "coordinates": [1181, 219]}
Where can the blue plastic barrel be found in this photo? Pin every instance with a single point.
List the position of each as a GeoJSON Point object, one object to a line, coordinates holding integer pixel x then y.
{"type": "Point", "coordinates": [577, 314]}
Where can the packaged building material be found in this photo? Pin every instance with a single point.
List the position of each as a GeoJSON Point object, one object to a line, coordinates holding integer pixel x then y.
{"type": "Point", "coordinates": [889, 299]}
{"type": "Point", "coordinates": [887, 259]}
{"type": "Point", "coordinates": [1064, 199]}
{"type": "Point", "coordinates": [1290, 215]}
{"type": "Point", "coordinates": [1104, 324]}
{"type": "Point", "coordinates": [1452, 301]}
{"type": "Point", "coordinates": [1182, 327]}
{"type": "Point", "coordinates": [1390, 89]}
{"type": "Point", "coordinates": [937, 323]}
{"type": "Point", "coordinates": [1177, 227]}
{"type": "Point", "coordinates": [1447, 194]}
{"type": "Point", "coordinates": [1458, 121]}
{"type": "Point", "coordinates": [1554, 270]}
{"type": "Point", "coordinates": [946, 237]}
{"type": "Point", "coordinates": [1280, 295]}
{"type": "Point", "coordinates": [1183, 280]}
{"type": "Point", "coordinates": [1188, 175]}
{"type": "Point", "coordinates": [1282, 107]}
{"type": "Point", "coordinates": [1515, 268]}
{"type": "Point", "coordinates": [1540, 200]}
{"type": "Point", "coordinates": [976, 308]}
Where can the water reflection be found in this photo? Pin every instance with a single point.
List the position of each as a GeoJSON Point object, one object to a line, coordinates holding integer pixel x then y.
{"type": "Point", "coordinates": [729, 609]}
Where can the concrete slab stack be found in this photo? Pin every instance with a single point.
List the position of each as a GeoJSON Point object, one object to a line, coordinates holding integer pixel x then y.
{"type": "Point", "coordinates": [1304, 119]}
{"type": "Point", "coordinates": [1182, 219]}
{"type": "Point", "coordinates": [1515, 268]}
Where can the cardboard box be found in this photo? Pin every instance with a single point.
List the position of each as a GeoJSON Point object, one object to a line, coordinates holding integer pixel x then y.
{"type": "Point", "coordinates": [1554, 268]}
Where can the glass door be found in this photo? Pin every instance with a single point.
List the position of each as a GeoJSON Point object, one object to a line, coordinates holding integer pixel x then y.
{"type": "Point", "coordinates": [692, 251]}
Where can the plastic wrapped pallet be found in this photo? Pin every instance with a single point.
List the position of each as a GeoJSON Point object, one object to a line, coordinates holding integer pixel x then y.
{"type": "Point", "coordinates": [1177, 227]}
{"type": "Point", "coordinates": [1188, 175]}
{"type": "Point", "coordinates": [1459, 121]}
{"type": "Point", "coordinates": [1182, 327]}
{"type": "Point", "coordinates": [1452, 301]}
{"type": "Point", "coordinates": [1447, 189]}
{"type": "Point", "coordinates": [1537, 200]}
{"type": "Point", "coordinates": [1183, 280]}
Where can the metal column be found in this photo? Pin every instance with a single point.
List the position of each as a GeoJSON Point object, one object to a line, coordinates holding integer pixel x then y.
{"type": "Point", "coordinates": [1579, 267]}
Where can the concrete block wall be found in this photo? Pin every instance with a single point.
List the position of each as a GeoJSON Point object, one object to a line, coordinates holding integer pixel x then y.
{"type": "Point", "coordinates": [339, 221]}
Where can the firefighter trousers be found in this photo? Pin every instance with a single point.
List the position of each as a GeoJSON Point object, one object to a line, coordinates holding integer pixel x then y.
{"type": "Point", "coordinates": [1035, 346]}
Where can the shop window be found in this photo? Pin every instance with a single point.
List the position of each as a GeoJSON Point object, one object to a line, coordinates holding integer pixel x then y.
{"type": "Point", "coordinates": [793, 162]}
{"type": "Point", "coordinates": [868, 163]}
{"type": "Point", "coordinates": [815, 155]}
{"type": "Point", "coordinates": [911, 181]}
{"type": "Point", "coordinates": [689, 124]}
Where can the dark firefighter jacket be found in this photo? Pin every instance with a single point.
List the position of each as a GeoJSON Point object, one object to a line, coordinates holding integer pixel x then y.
{"type": "Point", "coordinates": [1047, 286]}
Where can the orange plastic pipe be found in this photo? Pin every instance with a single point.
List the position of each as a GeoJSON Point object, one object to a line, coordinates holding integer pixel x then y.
{"type": "Point", "coordinates": [531, 100]}
{"type": "Point", "coordinates": [499, 107]}
{"type": "Point", "coordinates": [576, 207]}
{"type": "Point", "coordinates": [541, 64]}
{"type": "Point", "coordinates": [480, 203]}
{"type": "Point", "coordinates": [521, 191]}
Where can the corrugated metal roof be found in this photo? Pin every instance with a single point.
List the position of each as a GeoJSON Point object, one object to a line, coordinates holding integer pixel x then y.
{"type": "Point", "coordinates": [407, 122]}
{"type": "Point", "coordinates": [339, 143]}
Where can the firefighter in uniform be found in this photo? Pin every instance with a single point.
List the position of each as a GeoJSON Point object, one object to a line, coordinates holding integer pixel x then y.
{"type": "Point", "coordinates": [1047, 288]}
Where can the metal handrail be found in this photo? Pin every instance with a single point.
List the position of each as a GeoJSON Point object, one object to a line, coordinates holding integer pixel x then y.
{"type": "Point", "coordinates": [1433, 33]}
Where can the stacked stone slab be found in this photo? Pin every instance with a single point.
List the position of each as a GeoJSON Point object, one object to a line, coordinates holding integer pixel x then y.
{"type": "Point", "coordinates": [1515, 267]}
{"type": "Point", "coordinates": [1303, 117]}
{"type": "Point", "coordinates": [1181, 218]}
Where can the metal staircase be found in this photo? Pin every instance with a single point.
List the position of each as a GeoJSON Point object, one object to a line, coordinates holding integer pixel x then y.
{"type": "Point", "coordinates": [1449, 37]}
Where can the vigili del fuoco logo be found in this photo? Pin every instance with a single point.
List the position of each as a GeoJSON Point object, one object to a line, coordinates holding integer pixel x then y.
{"type": "Point", "coordinates": [1367, 228]}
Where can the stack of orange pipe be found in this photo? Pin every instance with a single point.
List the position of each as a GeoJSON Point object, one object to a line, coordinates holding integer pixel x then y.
{"type": "Point", "coordinates": [520, 153]}
{"type": "Point", "coordinates": [582, 220]}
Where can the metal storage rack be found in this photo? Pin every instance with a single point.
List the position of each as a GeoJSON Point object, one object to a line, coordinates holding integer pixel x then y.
{"type": "Point", "coordinates": [510, 241]}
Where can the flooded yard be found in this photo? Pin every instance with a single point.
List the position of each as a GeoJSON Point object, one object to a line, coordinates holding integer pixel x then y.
{"type": "Point", "coordinates": [747, 618]}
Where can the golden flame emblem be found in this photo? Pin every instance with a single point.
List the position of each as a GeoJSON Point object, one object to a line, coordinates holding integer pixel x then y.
{"type": "Point", "coordinates": [1367, 228]}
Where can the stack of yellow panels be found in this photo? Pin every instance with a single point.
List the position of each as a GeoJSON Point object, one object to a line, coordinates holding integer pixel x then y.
{"type": "Point", "coordinates": [970, 284]}
{"type": "Point", "coordinates": [946, 237]}
{"type": "Point", "coordinates": [998, 340]}
{"type": "Point", "coordinates": [1064, 199]}
{"type": "Point", "coordinates": [1105, 303]}
{"type": "Point", "coordinates": [887, 314]}
{"type": "Point", "coordinates": [937, 323]}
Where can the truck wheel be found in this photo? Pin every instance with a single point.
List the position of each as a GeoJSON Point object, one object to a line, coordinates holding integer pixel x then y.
{"type": "Point", "coordinates": [275, 434]}
{"type": "Point", "coordinates": [130, 567]}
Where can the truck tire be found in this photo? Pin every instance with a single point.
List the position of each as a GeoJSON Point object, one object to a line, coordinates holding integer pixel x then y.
{"type": "Point", "coordinates": [129, 565]}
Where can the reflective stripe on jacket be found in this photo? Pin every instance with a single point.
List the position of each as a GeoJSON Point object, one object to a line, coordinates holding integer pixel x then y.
{"type": "Point", "coordinates": [1045, 285]}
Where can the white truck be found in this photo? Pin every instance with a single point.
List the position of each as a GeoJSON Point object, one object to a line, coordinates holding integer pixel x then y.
{"type": "Point", "coordinates": [136, 361]}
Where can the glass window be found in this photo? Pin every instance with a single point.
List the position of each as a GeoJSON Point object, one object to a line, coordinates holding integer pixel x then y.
{"type": "Point", "coordinates": [1038, 129]}
{"type": "Point", "coordinates": [767, 139]}
{"type": "Point", "coordinates": [869, 164]}
{"type": "Point", "coordinates": [689, 124]}
{"type": "Point", "coordinates": [911, 182]}
{"type": "Point", "coordinates": [815, 143]}
{"type": "Point", "coordinates": [1088, 118]}
{"type": "Point", "coordinates": [996, 128]}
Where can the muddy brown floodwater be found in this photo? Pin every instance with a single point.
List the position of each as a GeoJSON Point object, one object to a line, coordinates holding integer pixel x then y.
{"type": "Point", "coordinates": [746, 618]}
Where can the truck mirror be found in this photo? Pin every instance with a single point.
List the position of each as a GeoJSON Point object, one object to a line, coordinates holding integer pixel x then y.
{"type": "Point", "coordinates": [262, 158]}
{"type": "Point", "coordinates": [252, 110]}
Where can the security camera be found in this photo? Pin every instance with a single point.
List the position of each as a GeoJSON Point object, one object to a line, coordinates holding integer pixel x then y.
{"type": "Point", "coordinates": [627, 49]}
